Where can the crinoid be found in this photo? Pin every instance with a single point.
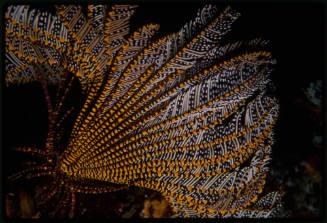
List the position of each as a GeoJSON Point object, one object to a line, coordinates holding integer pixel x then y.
{"type": "Point", "coordinates": [187, 115]}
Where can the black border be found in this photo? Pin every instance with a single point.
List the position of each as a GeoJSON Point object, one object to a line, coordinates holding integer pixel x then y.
{"type": "Point", "coordinates": [321, 2]}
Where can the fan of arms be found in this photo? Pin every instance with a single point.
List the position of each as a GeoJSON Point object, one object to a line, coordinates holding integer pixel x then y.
{"type": "Point", "coordinates": [187, 114]}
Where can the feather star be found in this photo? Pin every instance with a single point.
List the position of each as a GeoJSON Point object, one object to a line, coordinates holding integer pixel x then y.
{"type": "Point", "coordinates": [184, 114]}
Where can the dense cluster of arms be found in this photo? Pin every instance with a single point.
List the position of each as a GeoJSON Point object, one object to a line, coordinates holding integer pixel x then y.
{"type": "Point", "coordinates": [183, 114]}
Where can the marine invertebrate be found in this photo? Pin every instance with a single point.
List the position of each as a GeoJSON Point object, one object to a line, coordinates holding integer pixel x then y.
{"type": "Point", "coordinates": [185, 114]}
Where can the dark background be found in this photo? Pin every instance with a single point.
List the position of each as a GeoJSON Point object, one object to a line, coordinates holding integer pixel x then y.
{"type": "Point", "coordinates": [297, 34]}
